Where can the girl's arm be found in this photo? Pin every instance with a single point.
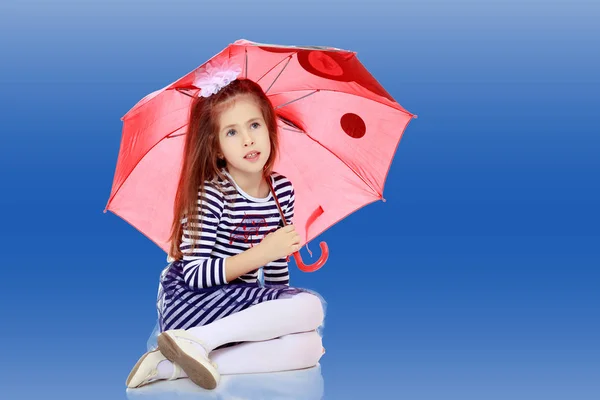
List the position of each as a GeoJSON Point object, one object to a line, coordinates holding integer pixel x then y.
{"type": "Point", "coordinates": [200, 269]}
{"type": "Point", "coordinates": [240, 264]}
{"type": "Point", "coordinates": [277, 272]}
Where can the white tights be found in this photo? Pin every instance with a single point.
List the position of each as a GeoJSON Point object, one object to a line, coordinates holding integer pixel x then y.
{"type": "Point", "coordinates": [276, 335]}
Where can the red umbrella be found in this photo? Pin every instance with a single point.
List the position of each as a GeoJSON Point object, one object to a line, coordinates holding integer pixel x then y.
{"type": "Point", "coordinates": [339, 131]}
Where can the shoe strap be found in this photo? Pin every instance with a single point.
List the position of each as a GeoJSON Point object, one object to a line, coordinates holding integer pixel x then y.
{"type": "Point", "coordinates": [183, 334]}
{"type": "Point", "coordinates": [176, 372]}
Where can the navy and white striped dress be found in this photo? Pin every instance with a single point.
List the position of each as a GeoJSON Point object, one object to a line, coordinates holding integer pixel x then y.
{"type": "Point", "coordinates": [194, 291]}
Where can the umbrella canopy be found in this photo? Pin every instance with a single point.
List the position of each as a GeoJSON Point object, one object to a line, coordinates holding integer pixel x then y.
{"type": "Point", "coordinates": [339, 130]}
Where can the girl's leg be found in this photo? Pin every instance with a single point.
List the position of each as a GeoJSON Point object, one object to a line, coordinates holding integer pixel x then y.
{"type": "Point", "coordinates": [190, 348]}
{"type": "Point", "coordinates": [271, 319]}
{"type": "Point", "coordinates": [289, 352]}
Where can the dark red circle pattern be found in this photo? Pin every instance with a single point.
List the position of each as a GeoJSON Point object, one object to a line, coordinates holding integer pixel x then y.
{"type": "Point", "coordinates": [353, 125]}
{"type": "Point", "coordinates": [341, 67]}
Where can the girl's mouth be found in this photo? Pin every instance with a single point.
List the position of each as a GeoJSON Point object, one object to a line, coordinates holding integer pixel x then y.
{"type": "Point", "coordinates": [252, 156]}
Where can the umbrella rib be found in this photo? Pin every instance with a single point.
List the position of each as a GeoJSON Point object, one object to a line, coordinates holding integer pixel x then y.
{"type": "Point", "coordinates": [174, 136]}
{"type": "Point", "coordinates": [380, 195]}
{"type": "Point", "coordinates": [182, 92]}
{"type": "Point", "coordinates": [279, 74]}
{"type": "Point", "coordinates": [299, 98]}
{"type": "Point", "coordinates": [274, 66]}
{"type": "Point", "coordinates": [246, 71]}
{"type": "Point", "coordinates": [290, 129]}
{"type": "Point", "coordinates": [136, 165]}
{"type": "Point", "coordinates": [348, 93]}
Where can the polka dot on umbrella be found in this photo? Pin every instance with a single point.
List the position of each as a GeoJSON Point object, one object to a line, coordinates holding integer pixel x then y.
{"type": "Point", "coordinates": [342, 67]}
{"type": "Point", "coordinates": [353, 125]}
{"type": "Point", "coordinates": [327, 65]}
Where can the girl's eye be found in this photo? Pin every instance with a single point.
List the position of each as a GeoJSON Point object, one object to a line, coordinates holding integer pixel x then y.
{"type": "Point", "coordinates": [255, 123]}
{"type": "Point", "coordinates": [230, 131]}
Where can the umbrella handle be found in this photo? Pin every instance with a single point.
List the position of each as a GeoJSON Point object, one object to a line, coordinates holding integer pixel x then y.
{"type": "Point", "coordinates": [324, 249]}
{"type": "Point", "coordinates": [317, 264]}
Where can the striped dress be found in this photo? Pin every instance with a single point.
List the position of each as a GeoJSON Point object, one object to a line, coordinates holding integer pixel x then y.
{"type": "Point", "coordinates": [194, 291]}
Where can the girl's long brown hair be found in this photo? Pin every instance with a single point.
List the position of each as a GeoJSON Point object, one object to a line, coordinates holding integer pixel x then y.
{"type": "Point", "coordinates": [200, 155]}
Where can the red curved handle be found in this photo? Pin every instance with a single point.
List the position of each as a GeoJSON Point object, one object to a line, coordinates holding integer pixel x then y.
{"type": "Point", "coordinates": [317, 264]}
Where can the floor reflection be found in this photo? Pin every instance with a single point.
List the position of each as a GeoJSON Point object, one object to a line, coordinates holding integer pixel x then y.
{"type": "Point", "coordinates": [305, 384]}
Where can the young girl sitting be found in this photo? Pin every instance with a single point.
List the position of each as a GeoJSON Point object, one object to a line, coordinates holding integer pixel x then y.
{"type": "Point", "coordinates": [215, 317]}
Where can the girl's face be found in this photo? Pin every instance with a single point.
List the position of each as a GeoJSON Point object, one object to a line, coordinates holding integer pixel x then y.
{"type": "Point", "coordinates": [244, 137]}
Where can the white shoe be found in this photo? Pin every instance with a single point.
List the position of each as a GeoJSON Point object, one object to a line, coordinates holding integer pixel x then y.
{"type": "Point", "coordinates": [145, 370]}
{"type": "Point", "coordinates": [181, 348]}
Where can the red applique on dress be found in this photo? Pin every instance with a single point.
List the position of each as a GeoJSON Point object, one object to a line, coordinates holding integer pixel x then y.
{"type": "Point", "coordinates": [248, 228]}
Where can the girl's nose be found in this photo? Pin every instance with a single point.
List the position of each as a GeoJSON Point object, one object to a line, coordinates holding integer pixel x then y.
{"type": "Point", "coordinates": [248, 139]}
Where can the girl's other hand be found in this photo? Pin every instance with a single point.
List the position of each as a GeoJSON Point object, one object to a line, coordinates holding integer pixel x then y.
{"type": "Point", "coordinates": [281, 243]}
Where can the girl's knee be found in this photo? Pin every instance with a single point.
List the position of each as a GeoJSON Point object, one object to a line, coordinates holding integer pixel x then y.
{"type": "Point", "coordinates": [316, 306]}
{"type": "Point", "coordinates": [311, 304]}
{"type": "Point", "coordinates": [312, 301]}
{"type": "Point", "coordinates": [306, 346]}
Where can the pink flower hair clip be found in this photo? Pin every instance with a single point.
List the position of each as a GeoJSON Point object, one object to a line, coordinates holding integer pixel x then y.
{"type": "Point", "coordinates": [215, 76]}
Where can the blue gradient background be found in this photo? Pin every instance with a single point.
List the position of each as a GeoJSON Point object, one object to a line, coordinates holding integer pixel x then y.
{"type": "Point", "coordinates": [478, 279]}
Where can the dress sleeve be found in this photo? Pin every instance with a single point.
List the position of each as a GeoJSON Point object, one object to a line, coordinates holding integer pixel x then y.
{"type": "Point", "coordinates": [200, 269]}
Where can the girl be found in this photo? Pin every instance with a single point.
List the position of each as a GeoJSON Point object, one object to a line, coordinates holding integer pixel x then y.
{"type": "Point", "coordinates": [214, 315]}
